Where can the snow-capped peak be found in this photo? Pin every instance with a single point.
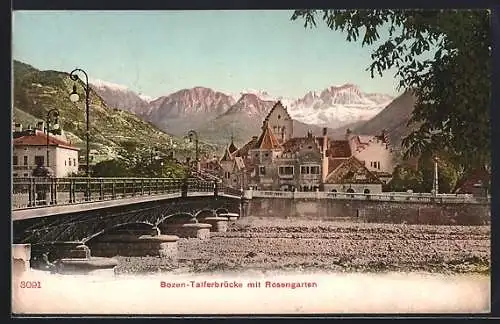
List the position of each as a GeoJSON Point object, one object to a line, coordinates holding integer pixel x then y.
{"type": "Point", "coordinates": [146, 98]}
{"type": "Point", "coordinates": [106, 84]}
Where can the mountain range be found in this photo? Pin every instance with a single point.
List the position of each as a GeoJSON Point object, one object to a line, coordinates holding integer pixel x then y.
{"type": "Point", "coordinates": [217, 116]}
{"type": "Point", "coordinates": [120, 116]}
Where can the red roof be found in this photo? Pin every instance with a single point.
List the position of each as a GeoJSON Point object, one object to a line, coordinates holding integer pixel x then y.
{"type": "Point", "coordinates": [41, 139]}
{"type": "Point", "coordinates": [470, 184]}
{"type": "Point", "coordinates": [243, 151]}
{"type": "Point", "coordinates": [339, 149]}
{"type": "Point", "coordinates": [334, 163]}
{"type": "Point", "coordinates": [267, 139]}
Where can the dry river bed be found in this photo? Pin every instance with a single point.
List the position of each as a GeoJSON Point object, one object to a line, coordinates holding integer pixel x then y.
{"type": "Point", "coordinates": [279, 244]}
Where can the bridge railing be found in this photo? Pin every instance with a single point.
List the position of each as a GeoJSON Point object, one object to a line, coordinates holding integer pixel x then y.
{"type": "Point", "coordinates": [385, 196]}
{"type": "Point", "coordinates": [37, 192]}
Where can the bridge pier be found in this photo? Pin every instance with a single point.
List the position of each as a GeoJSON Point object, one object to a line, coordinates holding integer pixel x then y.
{"type": "Point", "coordinates": [192, 229]}
{"type": "Point", "coordinates": [219, 224]}
{"type": "Point", "coordinates": [21, 256]}
{"type": "Point", "coordinates": [131, 245]}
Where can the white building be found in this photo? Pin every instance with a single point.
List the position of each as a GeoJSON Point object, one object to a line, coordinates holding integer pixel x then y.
{"type": "Point", "coordinates": [375, 152]}
{"type": "Point", "coordinates": [31, 147]}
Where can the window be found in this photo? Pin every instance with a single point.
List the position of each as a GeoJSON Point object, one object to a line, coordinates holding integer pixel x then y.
{"type": "Point", "coordinates": [279, 116]}
{"type": "Point", "coordinates": [39, 159]}
{"type": "Point", "coordinates": [366, 191]}
{"type": "Point", "coordinates": [74, 162]}
{"type": "Point", "coordinates": [266, 155]}
{"type": "Point", "coordinates": [262, 170]}
{"type": "Point", "coordinates": [69, 161]}
{"type": "Point", "coordinates": [334, 190]}
{"type": "Point", "coordinates": [26, 175]}
{"type": "Point", "coordinates": [15, 174]}
{"type": "Point", "coordinates": [378, 165]}
{"type": "Point", "coordinates": [227, 175]}
{"type": "Point", "coordinates": [65, 163]}
{"type": "Point", "coordinates": [14, 160]}
{"type": "Point", "coordinates": [25, 160]}
{"type": "Point", "coordinates": [309, 169]}
{"type": "Point", "coordinates": [350, 190]}
{"type": "Point", "coordinates": [309, 147]}
{"type": "Point", "coordinates": [285, 170]}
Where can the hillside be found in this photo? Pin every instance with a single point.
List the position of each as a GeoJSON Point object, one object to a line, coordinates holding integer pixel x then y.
{"type": "Point", "coordinates": [111, 129]}
{"type": "Point", "coordinates": [393, 118]}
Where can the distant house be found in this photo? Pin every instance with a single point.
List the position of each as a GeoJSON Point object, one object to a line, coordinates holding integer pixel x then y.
{"type": "Point", "coordinates": [475, 183]}
{"type": "Point", "coordinates": [276, 160]}
{"type": "Point", "coordinates": [352, 176]}
{"type": "Point", "coordinates": [30, 148]}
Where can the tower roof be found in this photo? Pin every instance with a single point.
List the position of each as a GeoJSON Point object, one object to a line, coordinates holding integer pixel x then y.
{"type": "Point", "coordinates": [267, 140]}
{"type": "Point", "coordinates": [227, 155]}
{"type": "Point", "coordinates": [232, 148]}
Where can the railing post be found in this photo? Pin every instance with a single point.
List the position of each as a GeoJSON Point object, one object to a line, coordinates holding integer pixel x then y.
{"type": "Point", "coordinates": [71, 191]}
{"type": "Point", "coordinates": [31, 190]}
{"type": "Point", "coordinates": [53, 191]}
{"type": "Point", "coordinates": [216, 188]}
{"type": "Point", "coordinates": [113, 189]}
{"type": "Point", "coordinates": [124, 188]}
{"type": "Point", "coordinates": [133, 188]}
{"type": "Point", "coordinates": [101, 189]}
{"type": "Point", "coordinates": [142, 187]}
{"type": "Point", "coordinates": [149, 187]}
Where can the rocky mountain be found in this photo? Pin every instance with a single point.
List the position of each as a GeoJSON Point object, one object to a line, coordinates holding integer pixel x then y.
{"type": "Point", "coordinates": [111, 129]}
{"type": "Point", "coordinates": [393, 118]}
{"type": "Point", "coordinates": [337, 106]}
{"type": "Point", "coordinates": [187, 109]}
{"type": "Point", "coordinates": [121, 97]}
{"type": "Point", "coordinates": [244, 120]}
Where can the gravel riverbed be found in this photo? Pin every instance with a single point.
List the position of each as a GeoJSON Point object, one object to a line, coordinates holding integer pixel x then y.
{"type": "Point", "coordinates": [266, 244]}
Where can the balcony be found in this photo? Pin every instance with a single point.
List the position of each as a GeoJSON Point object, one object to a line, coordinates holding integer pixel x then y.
{"type": "Point", "coordinates": [310, 177]}
{"type": "Point", "coordinates": [286, 176]}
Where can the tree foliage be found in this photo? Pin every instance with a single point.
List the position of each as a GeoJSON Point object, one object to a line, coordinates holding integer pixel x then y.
{"type": "Point", "coordinates": [444, 58]}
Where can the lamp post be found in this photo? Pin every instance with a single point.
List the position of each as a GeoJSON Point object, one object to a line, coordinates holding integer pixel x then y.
{"type": "Point", "coordinates": [51, 114]}
{"type": "Point", "coordinates": [74, 97]}
{"type": "Point", "coordinates": [194, 134]}
{"type": "Point", "coordinates": [435, 185]}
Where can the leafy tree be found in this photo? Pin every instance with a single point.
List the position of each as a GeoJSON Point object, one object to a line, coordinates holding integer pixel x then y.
{"type": "Point", "coordinates": [406, 178]}
{"type": "Point", "coordinates": [111, 168]}
{"type": "Point", "coordinates": [444, 58]}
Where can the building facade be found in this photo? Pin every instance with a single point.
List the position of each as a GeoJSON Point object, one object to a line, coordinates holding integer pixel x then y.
{"type": "Point", "coordinates": [30, 148]}
{"type": "Point", "coordinates": [276, 160]}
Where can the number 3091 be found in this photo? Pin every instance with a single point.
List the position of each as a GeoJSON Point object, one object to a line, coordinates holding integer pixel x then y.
{"type": "Point", "coordinates": [30, 284]}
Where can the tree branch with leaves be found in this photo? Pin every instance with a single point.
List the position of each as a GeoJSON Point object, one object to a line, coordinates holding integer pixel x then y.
{"type": "Point", "coordinates": [444, 58]}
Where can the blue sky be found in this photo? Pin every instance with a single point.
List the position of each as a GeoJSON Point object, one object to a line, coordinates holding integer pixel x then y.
{"type": "Point", "coordinates": [159, 52]}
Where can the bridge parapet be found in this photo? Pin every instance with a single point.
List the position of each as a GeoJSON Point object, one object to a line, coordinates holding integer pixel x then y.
{"type": "Point", "coordinates": [385, 196]}
{"type": "Point", "coordinates": [41, 192]}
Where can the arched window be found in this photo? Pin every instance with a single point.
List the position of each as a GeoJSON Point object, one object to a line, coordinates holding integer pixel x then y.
{"type": "Point", "coordinates": [366, 191]}
{"type": "Point", "coordinates": [350, 190]}
{"type": "Point", "coordinates": [334, 190]}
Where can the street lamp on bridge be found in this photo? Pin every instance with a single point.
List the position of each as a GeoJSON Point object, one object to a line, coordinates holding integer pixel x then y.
{"type": "Point", "coordinates": [435, 184]}
{"type": "Point", "coordinates": [194, 134]}
{"type": "Point", "coordinates": [74, 97]}
{"type": "Point", "coordinates": [52, 114]}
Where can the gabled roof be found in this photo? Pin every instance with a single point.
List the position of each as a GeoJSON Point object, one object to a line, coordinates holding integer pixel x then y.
{"type": "Point", "coordinates": [227, 155]}
{"type": "Point", "coordinates": [276, 105]}
{"type": "Point", "coordinates": [293, 144]}
{"type": "Point", "coordinates": [232, 148]}
{"type": "Point", "coordinates": [352, 171]}
{"type": "Point", "coordinates": [334, 163]}
{"type": "Point", "coordinates": [267, 140]}
{"type": "Point", "coordinates": [39, 139]}
{"type": "Point", "coordinates": [339, 149]}
{"type": "Point", "coordinates": [243, 151]}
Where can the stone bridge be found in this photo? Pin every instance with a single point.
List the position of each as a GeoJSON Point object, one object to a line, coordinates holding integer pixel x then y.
{"type": "Point", "coordinates": [137, 223]}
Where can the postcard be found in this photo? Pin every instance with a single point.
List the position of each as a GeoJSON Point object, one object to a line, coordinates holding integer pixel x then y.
{"type": "Point", "coordinates": [251, 162]}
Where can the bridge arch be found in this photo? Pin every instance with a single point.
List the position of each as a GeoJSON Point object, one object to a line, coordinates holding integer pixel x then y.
{"type": "Point", "coordinates": [129, 226]}
{"type": "Point", "coordinates": [208, 211]}
{"type": "Point", "coordinates": [185, 215]}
